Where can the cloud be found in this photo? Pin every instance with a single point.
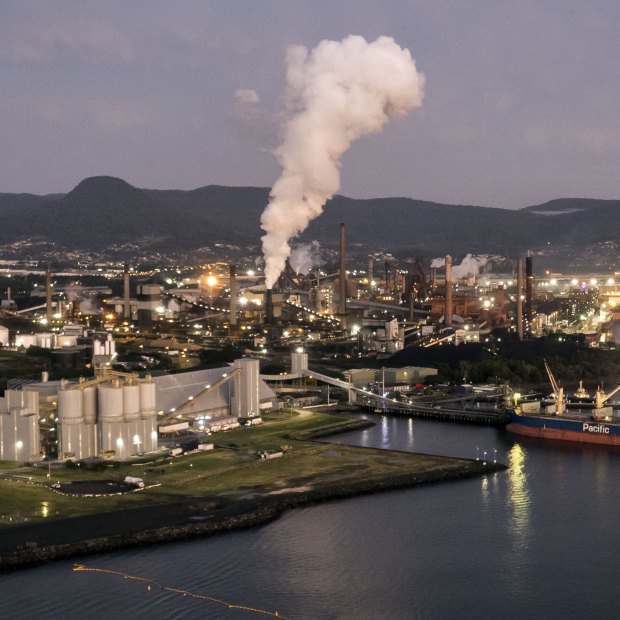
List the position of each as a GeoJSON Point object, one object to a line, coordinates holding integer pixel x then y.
{"type": "Point", "coordinates": [246, 95]}
{"type": "Point", "coordinates": [43, 36]}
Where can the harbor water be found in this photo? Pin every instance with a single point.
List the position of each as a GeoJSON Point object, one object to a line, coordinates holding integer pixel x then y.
{"type": "Point", "coordinates": [537, 541]}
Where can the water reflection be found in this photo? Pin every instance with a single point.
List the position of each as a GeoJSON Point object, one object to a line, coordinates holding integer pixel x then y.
{"type": "Point", "coordinates": [519, 496]}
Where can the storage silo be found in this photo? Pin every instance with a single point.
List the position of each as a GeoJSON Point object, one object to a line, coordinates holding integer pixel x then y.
{"type": "Point", "coordinates": [132, 431]}
{"type": "Point", "coordinates": [248, 400]}
{"type": "Point", "coordinates": [70, 424]}
{"type": "Point", "coordinates": [111, 437]}
{"type": "Point", "coordinates": [148, 415]}
{"type": "Point", "coordinates": [89, 409]}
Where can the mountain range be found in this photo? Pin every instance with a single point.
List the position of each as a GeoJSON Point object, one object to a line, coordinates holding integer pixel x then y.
{"type": "Point", "coordinates": [101, 212]}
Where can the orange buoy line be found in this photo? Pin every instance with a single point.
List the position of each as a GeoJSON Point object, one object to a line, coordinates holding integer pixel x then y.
{"type": "Point", "coordinates": [150, 582]}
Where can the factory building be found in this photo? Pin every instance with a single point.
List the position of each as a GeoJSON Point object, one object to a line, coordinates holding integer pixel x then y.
{"type": "Point", "coordinates": [107, 417]}
{"type": "Point", "coordinates": [213, 398]}
{"type": "Point", "coordinates": [19, 426]}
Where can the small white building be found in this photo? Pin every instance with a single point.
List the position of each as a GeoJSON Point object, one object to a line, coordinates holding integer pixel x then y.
{"type": "Point", "coordinates": [4, 336]}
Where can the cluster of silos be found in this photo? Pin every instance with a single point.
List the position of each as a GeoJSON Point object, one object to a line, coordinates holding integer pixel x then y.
{"type": "Point", "coordinates": [105, 347]}
{"type": "Point", "coordinates": [111, 419]}
{"type": "Point", "coordinates": [19, 426]}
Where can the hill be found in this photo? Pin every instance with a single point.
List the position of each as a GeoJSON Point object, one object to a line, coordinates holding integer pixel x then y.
{"type": "Point", "coordinates": [103, 212]}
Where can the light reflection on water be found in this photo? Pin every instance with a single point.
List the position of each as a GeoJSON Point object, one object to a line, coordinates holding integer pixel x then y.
{"type": "Point", "coordinates": [536, 541]}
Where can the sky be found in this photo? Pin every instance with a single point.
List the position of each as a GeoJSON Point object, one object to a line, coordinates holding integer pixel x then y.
{"type": "Point", "coordinates": [521, 100]}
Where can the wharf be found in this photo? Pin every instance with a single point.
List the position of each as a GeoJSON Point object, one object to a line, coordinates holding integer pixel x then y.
{"type": "Point", "coordinates": [467, 416]}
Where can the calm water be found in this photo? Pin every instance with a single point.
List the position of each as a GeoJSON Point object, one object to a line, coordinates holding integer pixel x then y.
{"type": "Point", "coordinates": [538, 541]}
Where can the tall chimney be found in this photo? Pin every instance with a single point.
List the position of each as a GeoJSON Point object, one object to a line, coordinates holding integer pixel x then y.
{"type": "Point", "coordinates": [126, 294]}
{"type": "Point", "coordinates": [529, 292]}
{"type": "Point", "coordinates": [433, 279]}
{"type": "Point", "coordinates": [342, 303]}
{"type": "Point", "coordinates": [448, 310]}
{"type": "Point", "coordinates": [370, 270]}
{"type": "Point", "coordinates": [269, 306]}
{"type": "Point", "coordinates": [48, 293]}
{"type": "Point", "coordinates": [520, 298]}
{"type": "Point", "coordinates": [233, 296]}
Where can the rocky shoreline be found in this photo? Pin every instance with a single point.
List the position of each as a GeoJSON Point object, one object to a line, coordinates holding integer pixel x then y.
{"type": "Point", "coordinates": [197, 517]}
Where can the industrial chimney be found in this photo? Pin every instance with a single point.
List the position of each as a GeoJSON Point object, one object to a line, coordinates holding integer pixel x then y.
{"type": "Point", "coordinates": [269, 306]}
{"type": "Point", "coordinates": [48, 293]}
{"type": "Point", "coordinates": [126, 294]}
{"type": "Point", "coordinates": [233, 296]}
{"type": "Point", "coordinates": [448, 309]}
{"type": "Point", "coordinates": [520, 298]}
{"type": "Point", "coordinates": [342, 304]}
{"type": "Point", "coordinates": [529, 292]}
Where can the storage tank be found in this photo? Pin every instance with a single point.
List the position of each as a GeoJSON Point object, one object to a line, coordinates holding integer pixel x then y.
{"type": "Point", "coordinates": [147, 399]}
{"type": "Point", "coordinates": [248, 397]}
{"type": "Point", "coordinates": [131, 402]}
{"type": "Point", "coordinates": [70, 406]}
{"type": "Point", "coordinates": [110, 399]}
{"type": "Point", "coordinates": [89, 404]}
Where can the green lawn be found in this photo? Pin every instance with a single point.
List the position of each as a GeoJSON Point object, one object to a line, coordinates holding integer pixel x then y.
{"type": "Point", "coordinates": [231, 469]}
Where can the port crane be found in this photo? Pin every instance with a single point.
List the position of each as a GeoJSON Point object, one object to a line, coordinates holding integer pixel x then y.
{"type": "Point", "coordinates": [558, 391]}
{"type": "Point", "coordinates": [601, 398]}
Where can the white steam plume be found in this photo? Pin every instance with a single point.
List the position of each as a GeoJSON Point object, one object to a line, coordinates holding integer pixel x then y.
{"type": "Point", "coordinates": [470, 266]}
{"type": "Point", "coordinates": [304, 256]}
{"type": "Point", "coordinates": [340, 91]}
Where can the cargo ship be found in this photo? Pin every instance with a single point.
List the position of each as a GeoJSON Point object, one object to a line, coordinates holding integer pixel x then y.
{"type": "Point", "coordinates": [549, 419]}
{"type": "Point", "coordinates": [566, 427]}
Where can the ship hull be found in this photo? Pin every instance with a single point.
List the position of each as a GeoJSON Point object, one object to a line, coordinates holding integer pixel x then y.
{"type": "Point", "coordinates": [576, 430]}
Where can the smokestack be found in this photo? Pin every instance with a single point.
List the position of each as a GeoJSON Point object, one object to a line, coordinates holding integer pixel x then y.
{"type": "Point", "coordinates": [48, 293]}
{"type": "Point", "coordinates": [520, 298]}
{"type": "Point", "coordinates": [370, 270]}
{"type": "Point", "coordinates": [233, 296]}
{"type": "Point", "coordinates": [126, 294]}
{"type": "Point", "coordinates": [342, 304]}
{"type": "Point", "coordinates": [433, 279]}
{"type": "Point", "coordinates": [448, 310]}
{"type": "Point", "coordinates": [269, 306]}
{"type": "Point", "coordinates": [529, 292]}
{"type": "Point", "coordinates": [8, 294]}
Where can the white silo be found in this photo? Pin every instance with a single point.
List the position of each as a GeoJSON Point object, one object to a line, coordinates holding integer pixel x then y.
{"type": "Point", "coordinates": [89, 409]}
{"type": "Point", "coordinates": [132, 432]}
{"type": "Point", "coordinates": [19, 426]}
{"type": "Point", "coordinates": [111, 436]}
{"type": "Point", "coordinates": [148, 415]}
{"type": "Point", "coordinates": [70, 424]}
{"type": "Point", "coordinates": [248, 401]}
{"type": "Point", "coordinates": [89, 400]}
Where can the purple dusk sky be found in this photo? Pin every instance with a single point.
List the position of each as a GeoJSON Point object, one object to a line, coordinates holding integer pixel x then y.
{"type": "Point", "coordinates": [521, 106]}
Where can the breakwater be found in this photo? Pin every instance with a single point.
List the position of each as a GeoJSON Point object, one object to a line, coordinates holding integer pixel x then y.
{"type": "Point", "coordinates": [231, 516]}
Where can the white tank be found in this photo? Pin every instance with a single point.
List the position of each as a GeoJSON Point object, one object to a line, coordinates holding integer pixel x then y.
{"type": "Point", "coordinates": [131, 402]}
{"type": "Point", "coordinates": [89, 404]}
{"type": "Point", "coordinates": [110, 399]}
{"type": "Point", "coordinates": [147, 398]}
{"type": "Point", "coordinates": [70, 408]}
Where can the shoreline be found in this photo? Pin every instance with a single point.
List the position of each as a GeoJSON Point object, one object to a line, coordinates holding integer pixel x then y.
{"type": "Point", "coordinates": [195, 517]}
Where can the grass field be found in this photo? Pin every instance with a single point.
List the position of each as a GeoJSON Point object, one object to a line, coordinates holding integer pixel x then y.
{"type": "Point", "coordinates": [232, 470]}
